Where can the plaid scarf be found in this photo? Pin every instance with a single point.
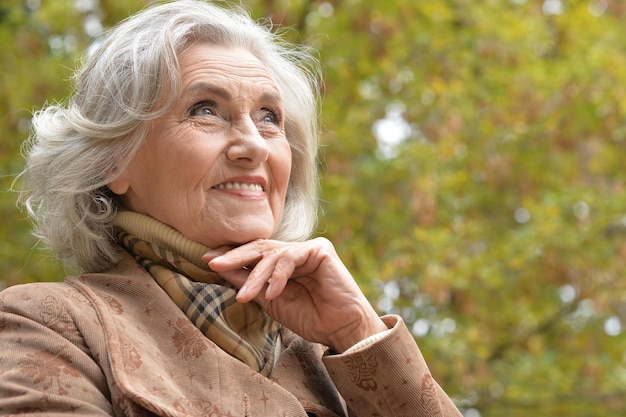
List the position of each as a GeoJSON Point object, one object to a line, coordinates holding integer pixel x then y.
{"type": "Point", "coordinates": [244, 331]}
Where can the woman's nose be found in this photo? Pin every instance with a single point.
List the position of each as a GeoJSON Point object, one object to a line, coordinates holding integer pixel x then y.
{"type": "Point", "coordinates": [247, 146]}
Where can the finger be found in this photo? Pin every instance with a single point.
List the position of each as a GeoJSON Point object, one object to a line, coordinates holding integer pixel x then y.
{"type": "Point", "coordinates": [222, 263]}
{"type": "Point", "coordinates": [273, 272]}
{"type": "Point", "coordinates": [258, 279]}
{"type": "Point", "coordinates": [282, 273]}
{"type": "Point", "coordinates": [243, 256]}
{"type": "Point", "coordinates": [217, 252]}
{"type": "Point", "coordinates": [235, 277]}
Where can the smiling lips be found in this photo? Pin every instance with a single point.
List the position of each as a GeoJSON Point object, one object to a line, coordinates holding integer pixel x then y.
{"type": "Point", "coordinates": [239, 186]}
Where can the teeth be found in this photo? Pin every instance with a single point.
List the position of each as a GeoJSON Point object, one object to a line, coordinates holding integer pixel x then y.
{"type": "Point", "coordinates": [239, 186]}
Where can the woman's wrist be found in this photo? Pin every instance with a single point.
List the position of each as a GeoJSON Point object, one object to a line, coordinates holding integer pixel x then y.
{"type": "Point", "coordinates": [361, 332]}
{"type": "Point", "coordinates": [368, 341]}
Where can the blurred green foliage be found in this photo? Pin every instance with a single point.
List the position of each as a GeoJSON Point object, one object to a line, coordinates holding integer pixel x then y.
{"type": "Point", "coordinates": [496, 228]}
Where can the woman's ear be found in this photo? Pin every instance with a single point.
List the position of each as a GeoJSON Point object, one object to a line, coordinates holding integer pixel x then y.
{"type": "Point", "coordinates": [119, 185]}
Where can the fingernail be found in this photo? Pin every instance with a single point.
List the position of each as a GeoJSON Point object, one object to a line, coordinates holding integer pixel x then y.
{"type": "Point", "coordinates": [210, 256]}
{"type": "Point", "coordinates": [242, 293]}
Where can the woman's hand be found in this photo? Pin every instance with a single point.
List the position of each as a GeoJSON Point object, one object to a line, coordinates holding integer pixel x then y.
{"type": "Point", "coordinates": [303, 285]}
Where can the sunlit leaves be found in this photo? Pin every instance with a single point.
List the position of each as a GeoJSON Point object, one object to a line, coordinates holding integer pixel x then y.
{"type": "Point", "coordinates": [496, 227]}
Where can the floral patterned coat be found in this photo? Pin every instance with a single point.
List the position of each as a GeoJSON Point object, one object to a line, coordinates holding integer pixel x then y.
{"type": "Point", "coordinates": [115, 344]}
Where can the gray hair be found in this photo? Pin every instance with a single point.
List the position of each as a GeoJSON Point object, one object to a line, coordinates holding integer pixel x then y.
{"type": "Point", "coordinates": [74, 150]}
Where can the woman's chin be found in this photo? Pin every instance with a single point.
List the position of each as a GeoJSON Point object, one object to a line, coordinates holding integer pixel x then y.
{"type": "Point", "coordinates": [238, 239]}
{"type": "Point", "coordinates": [247, 238]}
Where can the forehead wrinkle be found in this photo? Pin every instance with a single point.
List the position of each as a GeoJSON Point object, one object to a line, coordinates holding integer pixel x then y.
{"type": "Point", "coordinates": [225, 79]}
{"type": "Point", "coordinates": [267, 95]}
{"type": "Point", "coordinates": [210, 88]}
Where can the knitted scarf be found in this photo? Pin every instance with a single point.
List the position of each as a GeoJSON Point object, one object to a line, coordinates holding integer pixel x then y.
{"type": "Point", "coordinates": [244, 331]}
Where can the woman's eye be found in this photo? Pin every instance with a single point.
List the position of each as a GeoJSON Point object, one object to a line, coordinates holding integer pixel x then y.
{"type": "Point", "coordinates": [271, 116]}
{"type": "Point", "coordinates": [203, 109]}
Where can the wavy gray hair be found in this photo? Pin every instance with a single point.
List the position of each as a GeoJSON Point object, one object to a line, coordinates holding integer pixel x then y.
{"type": "Point", "coordinates": [75, 150]}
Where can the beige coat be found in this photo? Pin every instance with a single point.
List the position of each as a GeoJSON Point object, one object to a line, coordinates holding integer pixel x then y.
{"type": "Point", "coordinates": [115, 344]}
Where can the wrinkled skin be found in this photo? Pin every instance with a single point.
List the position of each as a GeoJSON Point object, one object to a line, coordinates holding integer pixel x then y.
{"type": "Point", "coordinates": [216, 168]}
{"type": "Point", "coordinates": [310, 291]}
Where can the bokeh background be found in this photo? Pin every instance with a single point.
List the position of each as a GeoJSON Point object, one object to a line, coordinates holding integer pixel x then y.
{"type": "Point", "coordinates": [472, 177]}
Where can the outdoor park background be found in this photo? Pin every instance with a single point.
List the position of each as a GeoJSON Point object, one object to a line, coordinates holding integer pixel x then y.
{"type": "Point", "coordinates": [472, 177]}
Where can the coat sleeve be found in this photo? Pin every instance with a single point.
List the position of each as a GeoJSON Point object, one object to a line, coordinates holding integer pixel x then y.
{"type": "Point", "coordinates": [389, 377]}
{"type": "Point", "coordinates": [45, 367]}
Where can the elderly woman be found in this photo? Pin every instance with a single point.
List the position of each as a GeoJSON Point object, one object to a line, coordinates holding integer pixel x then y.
{"type": "Point", "coordinates": [180, 180]}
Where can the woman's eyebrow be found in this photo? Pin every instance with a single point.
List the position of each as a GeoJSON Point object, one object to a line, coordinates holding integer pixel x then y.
{"type": "Point", "coordinates": [271, 97]}
{"type": "Point", "coordinates": [209, 88]}
{"type": "Point", "coordinates": [221, 92]}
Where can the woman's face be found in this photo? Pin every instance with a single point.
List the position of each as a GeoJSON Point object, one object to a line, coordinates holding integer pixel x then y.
{"type": "Point", "coordinates": [216, 166]}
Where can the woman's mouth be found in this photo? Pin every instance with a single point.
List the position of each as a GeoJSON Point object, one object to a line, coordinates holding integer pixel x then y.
{"type": "Point", "coordinates": [239, 186]}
